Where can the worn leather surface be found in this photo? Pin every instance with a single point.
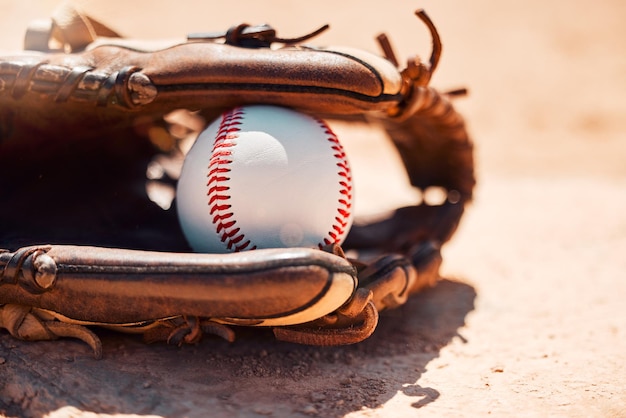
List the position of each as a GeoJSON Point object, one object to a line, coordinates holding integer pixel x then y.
{"type": "Point", "coordinates": [117, 286]}
{"type": "Point", "coordinates": [111, 86]}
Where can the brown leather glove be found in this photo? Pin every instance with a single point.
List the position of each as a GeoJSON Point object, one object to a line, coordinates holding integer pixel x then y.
{"type": "Point", "coordinates": [84, 129]}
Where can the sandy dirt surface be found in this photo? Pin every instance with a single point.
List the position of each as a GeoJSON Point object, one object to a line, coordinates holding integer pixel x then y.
{"type": "Point", "coordinates": [530, 318]}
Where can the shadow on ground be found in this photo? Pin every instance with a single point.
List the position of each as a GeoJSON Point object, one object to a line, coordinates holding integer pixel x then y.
{"type": "Point", "coordinates": [254, 376]}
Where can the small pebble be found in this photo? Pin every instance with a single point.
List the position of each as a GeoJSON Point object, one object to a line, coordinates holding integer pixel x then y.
{"type": "Point", "coordinates": [317, 397]}
{"type": "Point", "coordinates": [263, 410]}
{"type": "Point", "coordinates": [309, 410]}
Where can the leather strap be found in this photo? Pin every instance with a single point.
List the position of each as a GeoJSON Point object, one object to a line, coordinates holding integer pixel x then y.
{"type": "Point", "coordinates": [116, 286]}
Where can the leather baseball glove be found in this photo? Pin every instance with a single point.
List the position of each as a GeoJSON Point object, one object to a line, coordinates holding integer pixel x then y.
{"type": "Point", "coordinates": [91, 124]}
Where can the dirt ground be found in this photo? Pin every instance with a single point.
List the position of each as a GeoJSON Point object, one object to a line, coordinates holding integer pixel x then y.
{"type": "Point", "coordinates": [530, 319]}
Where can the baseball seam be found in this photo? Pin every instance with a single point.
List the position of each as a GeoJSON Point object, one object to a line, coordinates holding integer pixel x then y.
{"type": "Point", "coordinates": [341, 222]}
{"type": "Point", "coordinates": [226, 227]}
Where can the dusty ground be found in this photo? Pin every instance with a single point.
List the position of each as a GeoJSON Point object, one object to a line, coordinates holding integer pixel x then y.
{"type": "Point", "coordinates": [530, 320]}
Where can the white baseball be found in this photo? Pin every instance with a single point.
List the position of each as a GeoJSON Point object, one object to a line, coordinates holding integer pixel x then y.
{"type": "Point", "coordinates": [265, 177]}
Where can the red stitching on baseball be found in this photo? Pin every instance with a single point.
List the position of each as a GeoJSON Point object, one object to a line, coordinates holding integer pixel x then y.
{"type": "Point", "coordinates": [219, 207]}
{"type": "Point", "coordinates": [338, 228]}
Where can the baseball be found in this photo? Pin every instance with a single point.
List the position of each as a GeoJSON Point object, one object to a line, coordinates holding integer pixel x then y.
{"type": "Point", "coordinates": [264, 177]}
